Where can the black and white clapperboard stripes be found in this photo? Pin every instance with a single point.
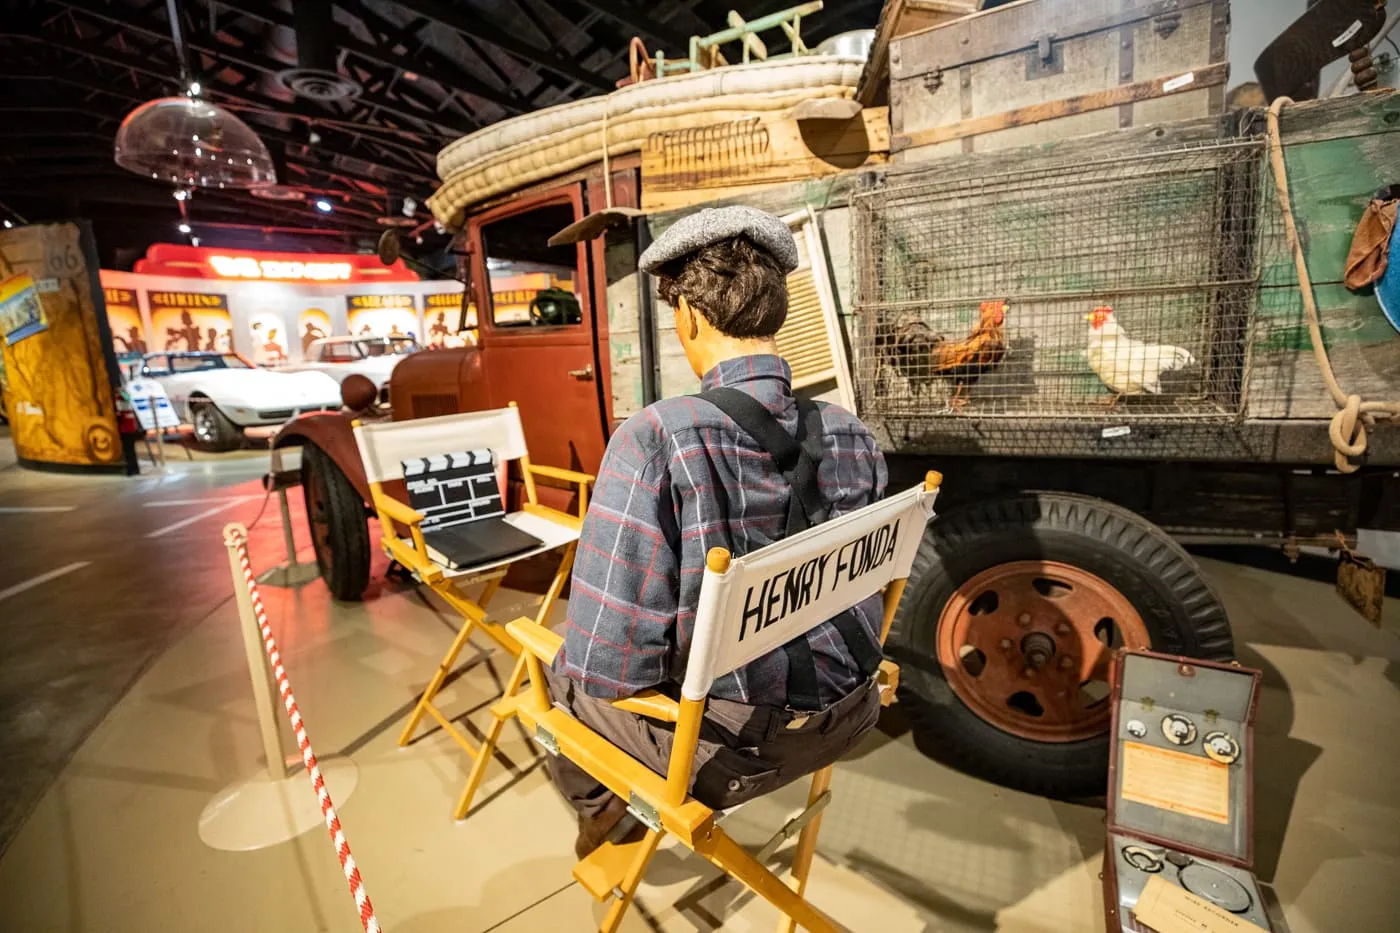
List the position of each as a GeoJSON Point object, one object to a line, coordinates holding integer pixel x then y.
{"type": "Point", "coordinates": [454, 488]}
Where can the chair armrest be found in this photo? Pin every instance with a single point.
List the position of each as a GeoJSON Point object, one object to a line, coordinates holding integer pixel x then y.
{"type": "Point", "coordinates": [397, 510]}
{"type": "Point", "coordinates": [535, 638]}
{"type": "Point", "coordinates": [568, 476]}
{"type": "Point", "coordinates": [651, 704]}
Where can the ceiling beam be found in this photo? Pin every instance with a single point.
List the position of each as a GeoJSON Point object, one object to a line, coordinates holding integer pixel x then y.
{"type": "Point", "coordinates": [635, 19]}
{"type": "Point", "coordinates": [330, 138]}
{"type": "Point", "coordinates": [427, 62]}
{"type": "Point", "coordinates": [455, 18]}
{"type": "Point", "coordinates": [228, 52]}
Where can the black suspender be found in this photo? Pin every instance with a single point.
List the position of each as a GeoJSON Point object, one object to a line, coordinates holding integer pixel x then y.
{"type": "Point", "coordinates": [798, 458]}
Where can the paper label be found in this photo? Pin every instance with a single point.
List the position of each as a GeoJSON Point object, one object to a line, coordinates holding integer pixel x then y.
{"type": "Point", "coordinates": [1351, 30]}
{"type": "Point", "coordinates": [1167, 908]}
{"type": "Point", "coordinates": [1176, 84]}
{"type": "Point", "coordinates": [1121, 430]}
{"type": "Point", "coordinates": [1176, 781]}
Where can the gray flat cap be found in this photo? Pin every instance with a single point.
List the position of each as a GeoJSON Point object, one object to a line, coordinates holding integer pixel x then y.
{"type": "Point", "coordinates": [714, 224]}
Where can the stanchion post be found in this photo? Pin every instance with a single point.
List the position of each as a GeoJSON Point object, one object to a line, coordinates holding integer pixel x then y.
{"type": "Point", "coordinates": [257, 663]}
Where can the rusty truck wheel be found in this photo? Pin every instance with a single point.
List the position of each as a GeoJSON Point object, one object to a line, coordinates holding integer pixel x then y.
{"type": "Point", "coordinates": [1005, 634]}
{"type": "Point", "coordinates": [339, 529]}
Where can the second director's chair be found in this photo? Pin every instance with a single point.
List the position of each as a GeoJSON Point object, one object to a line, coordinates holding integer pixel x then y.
{"type": "Point", "coordinates": [862, 553]}
{"type": "Point", "coordinates": [384, 448]}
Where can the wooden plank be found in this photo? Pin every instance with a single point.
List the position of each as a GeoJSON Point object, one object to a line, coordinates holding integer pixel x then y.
{"type": "Point", "coordinates": [1015, 27]}
{"type": "Point", "coordinates": [726, 160]}
{"type": "Point", "coordinates": [1051, 110]}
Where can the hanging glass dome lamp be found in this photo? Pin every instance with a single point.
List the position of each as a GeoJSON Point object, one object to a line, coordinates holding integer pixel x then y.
{"type": "Point", "coordinates": [191, 142]}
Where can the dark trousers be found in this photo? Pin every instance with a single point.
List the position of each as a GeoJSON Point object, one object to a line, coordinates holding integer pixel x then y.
{"type": "Point", "coordinates": [744, 751]}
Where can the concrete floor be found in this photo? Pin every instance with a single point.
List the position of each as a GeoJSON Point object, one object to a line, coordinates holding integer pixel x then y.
{"type": "Point", "coordinates": [125, 710]}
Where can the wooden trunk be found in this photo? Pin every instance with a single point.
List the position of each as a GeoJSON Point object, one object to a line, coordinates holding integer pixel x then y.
{"type": "Point", "coordinates": [1042, 70]}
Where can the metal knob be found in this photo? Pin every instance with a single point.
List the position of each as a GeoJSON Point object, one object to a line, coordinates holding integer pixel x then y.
{"type": "Point", "coordinates": [585, 373]}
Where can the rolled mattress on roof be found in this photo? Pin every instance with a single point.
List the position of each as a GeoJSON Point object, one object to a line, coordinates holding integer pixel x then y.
{"type": "Point", "coordinates": [535, 146]}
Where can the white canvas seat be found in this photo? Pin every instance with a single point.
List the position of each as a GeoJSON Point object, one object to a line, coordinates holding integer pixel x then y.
{"type": "Point", "coordinates": [384, 447]}
{"type": "Point", "coordinates": [865, 552]}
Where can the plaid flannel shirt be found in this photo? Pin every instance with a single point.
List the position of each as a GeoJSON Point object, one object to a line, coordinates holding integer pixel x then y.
{"type": "Point", "coordinates": [680, 478]}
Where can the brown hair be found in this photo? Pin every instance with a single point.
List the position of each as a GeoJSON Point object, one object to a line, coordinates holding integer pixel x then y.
{"type": "Point", "coordinates": [737, 286]}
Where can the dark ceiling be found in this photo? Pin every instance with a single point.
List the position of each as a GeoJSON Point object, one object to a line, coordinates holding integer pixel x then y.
{"type": "Point", "coordinates": [429, 72]}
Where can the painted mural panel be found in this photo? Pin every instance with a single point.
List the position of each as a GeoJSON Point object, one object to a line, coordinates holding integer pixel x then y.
{"type": "Point", "coordinates": [59, 377]}
{"type": "Point", "coordinates": [190, 321]}
{"type": "Point", "coordinates": [383, 315]}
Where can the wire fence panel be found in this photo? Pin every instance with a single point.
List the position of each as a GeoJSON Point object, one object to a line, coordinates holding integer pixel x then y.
{"type": "Point", "coordinates": [1119, 289]}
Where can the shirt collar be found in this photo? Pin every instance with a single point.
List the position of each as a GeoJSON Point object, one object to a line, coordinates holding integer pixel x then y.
{"type": "Point", "coordinates": [739, 369]}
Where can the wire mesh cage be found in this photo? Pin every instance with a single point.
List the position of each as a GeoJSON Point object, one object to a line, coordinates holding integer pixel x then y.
{"type": "Point", "coordinates": [1120, 288]}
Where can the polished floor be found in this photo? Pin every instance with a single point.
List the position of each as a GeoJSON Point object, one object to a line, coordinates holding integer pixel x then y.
{"type": "Point", "coordinates": [126, 716]}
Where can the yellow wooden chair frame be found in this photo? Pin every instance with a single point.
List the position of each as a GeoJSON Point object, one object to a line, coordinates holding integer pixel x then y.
{"type": "Point", "coordinates": [452, 585]}
{"type": "Point", "coordinates": [663, 803]}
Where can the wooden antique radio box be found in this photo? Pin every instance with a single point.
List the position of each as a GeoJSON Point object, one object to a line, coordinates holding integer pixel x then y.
{"type": "Point", "coordinates": [1041, 70]}
{"type": "Point", "coordinates": [1181, 799]}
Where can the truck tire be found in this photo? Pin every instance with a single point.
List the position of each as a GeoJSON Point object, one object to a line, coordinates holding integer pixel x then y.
{"type": "Point", "coordinates": [1006, 629]}
{"type": "Point", "coordinates": [339, 528]}
{"type": "Point", "coordinates": [212, 429]}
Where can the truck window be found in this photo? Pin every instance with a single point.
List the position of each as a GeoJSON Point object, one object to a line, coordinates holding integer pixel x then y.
{"type": "Point", "coordinates": [531, 282]}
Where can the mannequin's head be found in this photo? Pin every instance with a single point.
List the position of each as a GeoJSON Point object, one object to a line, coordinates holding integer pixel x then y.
{"type": "Point", "coordinates": [729, 298]}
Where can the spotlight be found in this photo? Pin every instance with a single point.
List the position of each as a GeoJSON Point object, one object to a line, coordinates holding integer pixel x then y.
{"type": "Point", "coordinates": [8, 225]}
{"type": "Point", "coordinates": [194, 241]}
{"type": "Point", "coordinates": [183, 228]}
{"type": "Point", "coordinates": [195, 88]}
{"type": "Point", "coordinates": [182, 194]}
{"type": "Point", "coordinates": [324, 206]}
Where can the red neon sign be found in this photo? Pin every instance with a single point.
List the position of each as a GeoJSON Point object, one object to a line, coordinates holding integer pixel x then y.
{"type": "Point", "coordinates": [205, 262]}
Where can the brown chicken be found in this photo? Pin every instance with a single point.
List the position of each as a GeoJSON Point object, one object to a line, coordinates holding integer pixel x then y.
{"type": "Point", "coordinates": [921, 356]}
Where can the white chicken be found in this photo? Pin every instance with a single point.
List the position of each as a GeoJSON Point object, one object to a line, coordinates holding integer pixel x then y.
{"type": "Point", "coordinates": [1128, 366]}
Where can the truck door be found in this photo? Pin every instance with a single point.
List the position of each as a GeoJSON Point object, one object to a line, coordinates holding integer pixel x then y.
{"type": "Point", "coordinates": [538, 326]}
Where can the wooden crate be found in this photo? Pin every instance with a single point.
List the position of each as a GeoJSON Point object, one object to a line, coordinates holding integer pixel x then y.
{"type": "Point", "coordinates": [1041, 70]}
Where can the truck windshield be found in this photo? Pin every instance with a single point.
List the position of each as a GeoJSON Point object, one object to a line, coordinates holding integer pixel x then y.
{"type": "Point", "coordinates": [531, 282]}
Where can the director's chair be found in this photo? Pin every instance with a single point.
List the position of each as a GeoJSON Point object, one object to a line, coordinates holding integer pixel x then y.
{"type": "Point", "coordinates": [886, 536]}
{"type": "Point", "coordinates": [384, 446]}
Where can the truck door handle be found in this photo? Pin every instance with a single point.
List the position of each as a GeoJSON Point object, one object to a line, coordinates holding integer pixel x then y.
{"type": "Point", "coordinates": [586, 373]}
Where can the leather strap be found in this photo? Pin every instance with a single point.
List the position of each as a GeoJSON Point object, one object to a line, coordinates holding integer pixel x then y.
{"type": "Point", "coordinates": [798, 459]}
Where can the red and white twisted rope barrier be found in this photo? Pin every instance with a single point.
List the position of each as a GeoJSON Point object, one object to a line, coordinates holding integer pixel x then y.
{"type": "Point", "coordinates": [235, 538]}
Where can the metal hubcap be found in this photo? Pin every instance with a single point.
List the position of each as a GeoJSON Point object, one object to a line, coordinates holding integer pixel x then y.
{"type": "Point", "coordinates": [204, 424]}
{"type": "Point", "coordinates": [1027, 646]}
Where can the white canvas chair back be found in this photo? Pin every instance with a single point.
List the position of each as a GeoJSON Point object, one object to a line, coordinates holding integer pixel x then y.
{"type": "Point", "coordinates": [384, 446]}
{"type": "Point", "coordinates": [771, 596]}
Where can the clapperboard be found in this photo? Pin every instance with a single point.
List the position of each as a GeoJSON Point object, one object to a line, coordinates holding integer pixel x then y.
{"type": "Point", "coordinates": [464, 521]}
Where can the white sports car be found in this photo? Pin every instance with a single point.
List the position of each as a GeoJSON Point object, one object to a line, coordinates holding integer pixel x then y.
{"type": "Point", "coordinates": [220, 394]}
{"type": "Point", "coordinates": [338, 357]}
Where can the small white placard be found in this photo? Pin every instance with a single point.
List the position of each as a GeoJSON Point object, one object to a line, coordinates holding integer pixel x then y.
{"type": "Point", "coordinates": [1351, 30]}
{"type": "Point", "coordinates": [1177, 83]}
{"type": "Point", "coordinates": [1121, 430]}
{"type": "Point", "coordinates": [150, 404]}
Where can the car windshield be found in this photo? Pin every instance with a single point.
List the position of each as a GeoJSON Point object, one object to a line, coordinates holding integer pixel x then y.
{"type": "Point", "coordinates": [199, 362]}
{"type": "Point", "coordinates": [386, 346]}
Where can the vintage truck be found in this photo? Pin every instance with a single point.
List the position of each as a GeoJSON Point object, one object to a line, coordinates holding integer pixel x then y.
{"type": "Point", "coordinates": [1067, 497]}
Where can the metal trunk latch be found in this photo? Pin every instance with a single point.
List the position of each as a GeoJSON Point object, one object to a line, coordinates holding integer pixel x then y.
{"type": "Point", "coordinates": [1046, 58]}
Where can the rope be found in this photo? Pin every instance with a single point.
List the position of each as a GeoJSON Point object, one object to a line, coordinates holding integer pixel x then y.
{"type": "Point", "coordinates": [235, 538]}
{"type": "Point", "coordinates": [1347, 430]}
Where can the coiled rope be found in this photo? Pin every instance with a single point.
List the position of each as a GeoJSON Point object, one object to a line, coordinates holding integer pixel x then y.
{"type": "Point", "coordinates": [1347, 429]}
